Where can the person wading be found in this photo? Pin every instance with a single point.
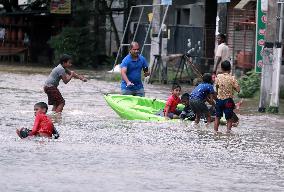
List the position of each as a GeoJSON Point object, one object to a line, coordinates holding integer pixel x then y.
{"type": "Point", "coordinates": [131, 67]}
{"type": "Point", "coordinates": [222, 54]}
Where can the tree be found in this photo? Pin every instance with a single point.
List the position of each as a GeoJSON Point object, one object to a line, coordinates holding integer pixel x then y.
{"type": "Point", "coordinates": [77, 39]}
{"type": "Point", "coordinates": [11, 5]}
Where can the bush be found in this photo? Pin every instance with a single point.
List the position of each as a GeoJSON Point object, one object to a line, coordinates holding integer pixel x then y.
{"type": "Point", "coordinates": [281, 94]}
{"type": "Point", "coordinates": [77, 42]}
{"type": "Point", "coordinates": [250, 84]}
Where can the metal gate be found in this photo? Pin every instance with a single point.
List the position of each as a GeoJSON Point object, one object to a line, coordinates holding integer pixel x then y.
{"type": "Point", "coordinates": [241, 37]}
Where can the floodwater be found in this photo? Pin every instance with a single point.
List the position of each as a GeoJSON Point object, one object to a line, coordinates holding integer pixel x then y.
{"type": "Point", "coordinates": [98, 151]}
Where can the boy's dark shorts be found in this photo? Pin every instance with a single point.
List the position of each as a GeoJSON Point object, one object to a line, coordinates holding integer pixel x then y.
{"type": "Point", "coordinates": [225, 106]}
{"type": "Point", "coordinates": [54, 96]}
{"type": "Point", "coordinates": [170, 114]}
{"type": "Point", "coordinates": [198, 106]}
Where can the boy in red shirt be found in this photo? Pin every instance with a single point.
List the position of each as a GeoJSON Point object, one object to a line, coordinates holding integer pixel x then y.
{"type": "Point", "coordinates": [43, 125]}
{"type": "Point", "coordinates": [171, 111]}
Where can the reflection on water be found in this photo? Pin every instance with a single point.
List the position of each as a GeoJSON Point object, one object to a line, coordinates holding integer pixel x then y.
{"type": "Point", "coordinates": [98, 151]}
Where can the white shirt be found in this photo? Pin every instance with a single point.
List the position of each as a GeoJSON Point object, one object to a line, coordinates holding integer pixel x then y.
{"type": "Point", "coordinates": [223, 52]}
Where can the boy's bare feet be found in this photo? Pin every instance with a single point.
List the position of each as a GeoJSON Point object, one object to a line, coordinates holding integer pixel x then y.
{"type": "Point", "coordinates": [235, 124]}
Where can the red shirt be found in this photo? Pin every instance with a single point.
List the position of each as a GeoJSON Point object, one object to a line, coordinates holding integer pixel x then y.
{"type": "Point", "coordinates": [173, 101]}
{"type": "Point", "coordinates": [42, 124]}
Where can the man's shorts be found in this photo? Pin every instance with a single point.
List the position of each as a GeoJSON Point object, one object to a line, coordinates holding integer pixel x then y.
{"type": "Point", "coordinates": [138, 92]}
{"type": "Point", "coordinates": [225, 106]}
{"type": "Point", "coordinates": [198, 106]}
{"type": "Point", "coordinates": [54, 96]}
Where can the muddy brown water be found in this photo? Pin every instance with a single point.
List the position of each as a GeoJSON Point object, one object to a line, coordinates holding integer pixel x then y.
{"type": "Point", "coordinates": [98, 151]}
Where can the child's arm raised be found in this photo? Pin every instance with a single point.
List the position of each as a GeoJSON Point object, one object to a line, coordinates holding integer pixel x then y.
{"type": "Point", "coordinates": [75, 75]}
{"type": "Point", "coordinates": [67, 77]}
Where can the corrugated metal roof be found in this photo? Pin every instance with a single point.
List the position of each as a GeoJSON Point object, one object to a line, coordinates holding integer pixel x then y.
{"type": "Point", "coordinates": [243, 3]}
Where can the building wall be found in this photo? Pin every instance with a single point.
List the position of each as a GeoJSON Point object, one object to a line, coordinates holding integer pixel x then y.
{"type": "Point", "coordinates": [191, 25]}
{"type": "Point", "coordinates": [210, 28]}
{"type": "Point", "coordinates": [241, 35]}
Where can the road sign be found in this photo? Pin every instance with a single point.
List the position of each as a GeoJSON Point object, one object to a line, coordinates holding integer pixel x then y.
{"type": "Point", "coordinates": [261, 20]}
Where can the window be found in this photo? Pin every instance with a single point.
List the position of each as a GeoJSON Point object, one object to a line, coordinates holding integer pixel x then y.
{"type": "Point", "coordinates": [182, 16]}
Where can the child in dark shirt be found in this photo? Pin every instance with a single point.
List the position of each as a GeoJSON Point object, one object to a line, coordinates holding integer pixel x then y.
{"type": "Point", "coordinates": [200, 94]}
{"type": "Point", "coordinates": [187, 112]}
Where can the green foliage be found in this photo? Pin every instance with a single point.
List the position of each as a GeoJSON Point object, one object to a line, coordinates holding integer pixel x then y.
{"type": "Point", "coordinates": [250, 84]}
{"type": "Point", "coordinates": [272, 109]}
{"type": "Point", "coordinates": [76, 42]}
{"type": "Point", "coordinates": [76, 39]}
{"type": "Point", "coordinates": [116, 77]}
{"type": "Point", "coordinates": [281, 94]}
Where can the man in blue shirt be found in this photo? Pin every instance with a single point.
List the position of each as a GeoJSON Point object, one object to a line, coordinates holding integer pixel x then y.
{"type": "Point", "coordinates": [131, 67]}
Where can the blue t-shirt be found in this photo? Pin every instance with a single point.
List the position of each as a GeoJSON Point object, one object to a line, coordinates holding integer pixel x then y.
{"type": "Point", "coordinates": [134, 68]}
{"type": "Point", "coordinates": [201, 91]}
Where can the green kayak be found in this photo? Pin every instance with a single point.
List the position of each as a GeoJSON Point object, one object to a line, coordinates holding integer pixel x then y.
{"type": "Point", "coordinates": [139, 108]}
{"type": "Point", "coordinates": [136, 108]}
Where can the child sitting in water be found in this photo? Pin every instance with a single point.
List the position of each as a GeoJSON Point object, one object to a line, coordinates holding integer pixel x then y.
{"type": "Point", "coordinates": [200, 94]}
{"type": "Point", "coordinates": [43, 125]}
{"type": "Point", "coordinates": [171, 111]}
{"type": "Point", "coordinates": [187, 112]}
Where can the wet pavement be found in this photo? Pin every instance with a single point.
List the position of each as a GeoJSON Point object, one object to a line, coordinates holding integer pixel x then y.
{"type": "Point", "coordinates": [98, 151]}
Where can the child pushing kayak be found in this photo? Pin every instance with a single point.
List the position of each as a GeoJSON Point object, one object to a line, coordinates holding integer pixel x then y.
{"type": "Point", "coordinates": [187, 112]}
{"type": "Point", "coordinates": [199, 95]}
{"type": "Point", "coordinates": [226, 84]}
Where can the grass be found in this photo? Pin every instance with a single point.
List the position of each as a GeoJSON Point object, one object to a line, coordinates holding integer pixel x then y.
{"type": "Point", "coordinates": [29, 69]}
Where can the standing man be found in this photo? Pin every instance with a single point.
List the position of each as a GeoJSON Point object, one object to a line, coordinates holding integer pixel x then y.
{"type": "Point", "coordinates": [131, 67]}
{"type": "Point", "coordinates": [221, 54]}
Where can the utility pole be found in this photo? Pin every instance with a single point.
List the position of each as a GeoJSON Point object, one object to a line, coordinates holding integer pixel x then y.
{"type": "Point", "coordinates": [266, 75]}
{"type": "Point", "coordinates": [156, 24]}
{"type": "Point", "coordinates": [127, 5]}
{"type": "Point", "coordinates": [222, 14]}
{"type": "Point", "coordinates": [277, 56]}
{"type": "Point", "coordinates": [159, 40]}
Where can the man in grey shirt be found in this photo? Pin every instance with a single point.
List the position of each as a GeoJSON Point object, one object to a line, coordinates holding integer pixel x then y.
{"type": "Point", "coordinates": [50, 86]}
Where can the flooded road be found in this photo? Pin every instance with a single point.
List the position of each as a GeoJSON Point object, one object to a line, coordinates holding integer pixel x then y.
{"type": "Point", "coordinates": [98, 151]}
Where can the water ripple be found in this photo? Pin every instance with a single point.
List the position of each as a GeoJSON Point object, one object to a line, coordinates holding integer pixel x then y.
{"type": "Point", "coordinates": [98, 151]}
